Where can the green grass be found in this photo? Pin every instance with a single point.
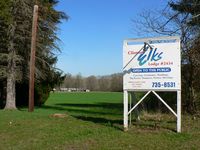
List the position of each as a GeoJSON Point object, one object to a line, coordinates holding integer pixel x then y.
{"type": "Point", "coordinates": [93, 121]}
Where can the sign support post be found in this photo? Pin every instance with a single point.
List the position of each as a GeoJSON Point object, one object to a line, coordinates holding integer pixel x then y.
{"type": "Point", "coordinates": [125, 110]}
{"type": "Point", "coordinates": [178, 111]}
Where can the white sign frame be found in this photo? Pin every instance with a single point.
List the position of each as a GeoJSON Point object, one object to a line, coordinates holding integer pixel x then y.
{"type": "Point", "coordinates": [153, 66]}
{"type": "Point", "coordinates": [135, 77]}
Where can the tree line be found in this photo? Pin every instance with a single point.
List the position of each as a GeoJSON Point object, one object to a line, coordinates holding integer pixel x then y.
{"type": "Point", "coordinates": [113, 82]}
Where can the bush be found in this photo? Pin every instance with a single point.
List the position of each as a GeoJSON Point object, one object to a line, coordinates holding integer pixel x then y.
{"type": "Point", "coordinates": [41, 94]}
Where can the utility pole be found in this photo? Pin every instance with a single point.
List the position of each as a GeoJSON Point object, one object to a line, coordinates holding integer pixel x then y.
{"type": "Point", "coordinates": [32, 59]}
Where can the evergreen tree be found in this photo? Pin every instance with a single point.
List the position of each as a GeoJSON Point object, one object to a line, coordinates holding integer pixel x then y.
{"type": "Point", "coordinates": [189, 6]}
{"type": "Point", "coordinates": [192, 7]}
{"type": "Point", "coordinates": [16, 24]}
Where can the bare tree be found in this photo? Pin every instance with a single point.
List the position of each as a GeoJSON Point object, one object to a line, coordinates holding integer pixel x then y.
{"type": "Point", "coordinates": [116, 83]}
{"type": "Point", "coordinates": [104, 83]}
{"type": "Point", "coordinates": [92, 83]}
{"type": "Point", "coordinates": [78, 81]}
{"type": "Point", "coordinates": [169, 22]}
{"type": "Point", "coordinates": [68, 81]}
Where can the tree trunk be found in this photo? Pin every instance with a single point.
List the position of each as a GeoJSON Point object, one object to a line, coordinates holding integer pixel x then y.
{"type": "Point", "coordinates": [10, 98]}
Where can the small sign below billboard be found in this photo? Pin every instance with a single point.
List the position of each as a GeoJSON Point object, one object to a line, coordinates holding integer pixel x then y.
{"type": "Point", "coordinates": [152, 64]}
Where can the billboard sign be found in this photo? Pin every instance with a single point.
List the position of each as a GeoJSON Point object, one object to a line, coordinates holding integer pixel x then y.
{"type": "Point", "coordinates": [152, 64]}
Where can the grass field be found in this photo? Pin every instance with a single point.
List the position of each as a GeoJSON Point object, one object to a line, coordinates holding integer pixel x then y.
{"type": "Point", "coordinates": [92, 121]}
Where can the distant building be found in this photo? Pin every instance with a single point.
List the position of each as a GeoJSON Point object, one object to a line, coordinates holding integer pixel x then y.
{"type": "Point", "coordinates": [73, 90]}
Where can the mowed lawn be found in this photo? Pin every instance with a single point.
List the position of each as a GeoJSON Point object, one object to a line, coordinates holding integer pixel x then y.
{"type": "Point", "coordinates": [94, 121]}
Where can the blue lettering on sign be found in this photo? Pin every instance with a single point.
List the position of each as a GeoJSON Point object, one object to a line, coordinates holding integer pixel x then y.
{"type": "Point", "coordinates": [151, 55]}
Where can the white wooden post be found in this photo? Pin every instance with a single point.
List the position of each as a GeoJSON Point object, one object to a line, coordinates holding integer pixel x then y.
{"type": "Point", "coordinates": [179, 111]}
{"type": "Point", "coordinates": [130, 105]}
{"type": "Point", "coordinates": [125, 110]}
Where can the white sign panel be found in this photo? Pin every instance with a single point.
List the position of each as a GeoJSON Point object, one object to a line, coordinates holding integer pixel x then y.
{"type": "Point", "coordinates": [150, 65]}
